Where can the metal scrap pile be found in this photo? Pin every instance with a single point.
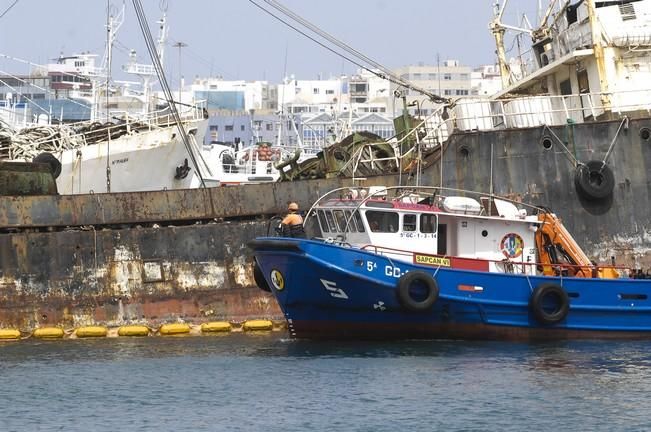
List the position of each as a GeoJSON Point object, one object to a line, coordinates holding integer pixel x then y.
{"type": "Point", "coordinates": [359, 154]}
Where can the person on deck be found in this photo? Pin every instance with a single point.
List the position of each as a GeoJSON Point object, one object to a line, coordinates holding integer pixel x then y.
{"type": "Point", "coordinates": [292, 224]}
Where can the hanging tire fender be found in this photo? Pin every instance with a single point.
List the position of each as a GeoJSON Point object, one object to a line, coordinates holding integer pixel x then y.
{"type": "Point", "coordinates": [537, 303]}
{"type": "Point", "coordinates": [404, 292]}
{"type": "Point", "coordinates": [594, 180]}
{"type": "Point", "coordinates": [259, 279]}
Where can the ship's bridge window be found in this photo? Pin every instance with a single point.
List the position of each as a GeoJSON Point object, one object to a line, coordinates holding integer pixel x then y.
{"type": "Point", "coordinates": [409, 222]}
{"type": "Point", "coordinates": [381, 221]}
{"type": "Point", "coordinates": [428, 223]}
{"type": "Point", "coordinates": [341, 220]}
{"type": "Point", "coordinates": [347, 222]}
{"type": "Point", "coordinates": [358, 221]}
{"type": "Point", "coordinates": [323, 223]}
{"type": "Point", "coordinates": [332, 226]}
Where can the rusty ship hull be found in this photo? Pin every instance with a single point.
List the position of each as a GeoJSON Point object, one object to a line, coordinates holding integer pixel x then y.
{"type": "Point", "coordinates": [156, 257]}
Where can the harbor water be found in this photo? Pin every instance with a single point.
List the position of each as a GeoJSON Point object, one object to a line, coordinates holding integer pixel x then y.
{"type": "Point", "coordinates": [267, 382]}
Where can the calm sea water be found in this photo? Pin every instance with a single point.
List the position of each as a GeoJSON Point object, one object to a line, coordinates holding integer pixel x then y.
{"type": "Point", "coordinates": [266, 383]}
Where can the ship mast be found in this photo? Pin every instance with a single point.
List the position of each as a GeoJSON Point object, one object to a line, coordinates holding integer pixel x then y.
{"type": "Point", "coordinates": [498, 31]}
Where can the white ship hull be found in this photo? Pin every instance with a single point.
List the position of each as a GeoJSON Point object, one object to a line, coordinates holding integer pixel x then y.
{"type": "Point", "coordinates": [140, 161]}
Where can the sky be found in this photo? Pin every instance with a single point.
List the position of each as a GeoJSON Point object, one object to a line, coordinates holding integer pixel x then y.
{"type": "Point", "coordinates": [234, 39]}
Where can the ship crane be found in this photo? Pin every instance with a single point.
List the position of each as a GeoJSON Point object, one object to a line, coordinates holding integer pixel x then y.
{"type": "Point", "coordinates": [498, 29]}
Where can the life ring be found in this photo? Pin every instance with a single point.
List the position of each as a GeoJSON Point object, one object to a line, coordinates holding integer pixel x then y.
{"type": "Point", "coordinates": [53, 162]}
{"type": "Point", "coordinates": [259, 279]}
{"type": "Point", "coordinates": [542, 313]}
{"type": "Point", "coordinates": [404, 291]}
{"type": "Point", "coordinates": [594, 180]}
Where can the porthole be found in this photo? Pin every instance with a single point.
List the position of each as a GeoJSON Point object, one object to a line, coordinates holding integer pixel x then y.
{"type": "Point", "coordinates": [484, 233]}
{"type": "Point", "coordinates": [464, 152]}
{"type": "Point", "coordinates": [645, 133]}
{"type": "Point", "coordinates": [546, 142]}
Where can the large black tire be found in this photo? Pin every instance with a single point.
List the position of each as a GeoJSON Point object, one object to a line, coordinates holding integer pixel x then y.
{"type": "Point", "coordinates": [259, 279]}
{"type": "Point", "coordinates": [49, 159]}
{"type": "Point", "coordinates": [594, 180]}
{"type": "Point", "coordinates": [560, 301]}
{"type": "Point", "coordinates": [405, 294]}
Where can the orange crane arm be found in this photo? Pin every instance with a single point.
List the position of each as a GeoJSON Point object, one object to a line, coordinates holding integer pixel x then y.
{"type": "Point", "coordinates": [551, 237]}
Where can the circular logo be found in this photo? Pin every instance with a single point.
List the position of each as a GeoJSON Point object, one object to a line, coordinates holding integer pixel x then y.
{"type": "Point", "coordinates": [512, 245]}
{"type": "Point", "coordinates": [277, 280]}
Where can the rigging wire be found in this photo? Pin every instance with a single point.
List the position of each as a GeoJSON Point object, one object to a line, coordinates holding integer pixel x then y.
{"type": "Point", "coordinates": [109, 49]}
{"type": "Point", "coordinates": [9, 8]}
{"type": "Point", "coordinates": [384, 73]}
{"type": "Point", "coordinates": [151, 47]}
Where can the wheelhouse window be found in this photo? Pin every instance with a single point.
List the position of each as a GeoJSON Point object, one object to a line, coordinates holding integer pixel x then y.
{"type": "Point", "coordinates": [341, 220]}
{"type": "Point", "coordinates": [323, 223]}
{"type": "Point", "coordinates": [358, 221]}
{"type": "Point", "coordinates": [331, 221]}
{"type": "Point", "coordinates": [409, 222]}
{"type": "Point", "coordinates": [381, 221]}
{"type": "Point", "coordinates": [428, 223]}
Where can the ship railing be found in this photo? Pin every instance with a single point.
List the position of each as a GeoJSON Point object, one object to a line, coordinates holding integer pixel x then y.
{"type": "Point", "coordinates": [480, 113]}
{"type": "Point", "coordinates": [505, 265]}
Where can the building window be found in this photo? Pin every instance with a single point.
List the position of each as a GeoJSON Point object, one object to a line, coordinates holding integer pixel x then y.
{"type": "Point", "coordinates": [447, 77]}
{"type": "Point", "coordinates": [330, 92]}
{"type": "Point", "coordinates": [270, 126]}
{"type": "Point", "coordinates": [315, 91]}
{"type": "Point", "coordinates": [228, 128]}
{"type": "Point", "coordinates": [447, 92]}
{"type": "Point", "coordinates": [462, 92]}
{"type": "Point", "coordinates": [417, 76]}
{"type": "Point", "coordinates": [431, 76]}
{"type": "Point", "coordinates": [214, 128]}
{"type": "Point", "coordinates": [242, 127]}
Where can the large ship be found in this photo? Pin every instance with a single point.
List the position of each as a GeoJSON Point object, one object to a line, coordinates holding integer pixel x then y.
{"type": "Point", "coordinates": [571, 132]}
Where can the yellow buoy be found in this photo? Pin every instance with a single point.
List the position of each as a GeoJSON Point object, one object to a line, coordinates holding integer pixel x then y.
{"type": "Point", "coordinates": [48, 333]}
{"type": "Point", "coordinates": [258, 325]}
{"type": "Point", "coordinates": [216, 327]}
{"type": "Point", "coordinates": [133, 330]}
{"type": "Point", "coordinates": [91, 331]}
{"type": "Point", "coordinates": [7, 334]}
{"type": "Point", "coordinates": [174, 329]}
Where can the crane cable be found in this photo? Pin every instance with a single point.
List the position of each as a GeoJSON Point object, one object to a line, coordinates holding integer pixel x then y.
{"type": "Point", "coordinates": [384, 73]}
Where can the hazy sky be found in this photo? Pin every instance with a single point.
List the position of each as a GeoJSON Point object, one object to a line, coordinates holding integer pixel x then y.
{"type": "Point", "coordinates": [235, 39]}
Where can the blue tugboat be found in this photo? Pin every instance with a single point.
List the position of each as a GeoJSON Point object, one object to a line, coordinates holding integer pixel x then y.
{"type": "Point", "coordinates": [392, 263]}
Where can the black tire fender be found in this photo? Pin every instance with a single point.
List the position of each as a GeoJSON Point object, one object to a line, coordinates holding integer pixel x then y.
{"type": "Point", "coordinates": [51, 160]}
{"type": "Point", "coordinates": [404, 291]}
{"type": "Point", "coordinates": [259, 279]}
{"type": "Point", "coordinates": [594, 180]}
{"type": "Point", "coordinates": [536, 303]}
